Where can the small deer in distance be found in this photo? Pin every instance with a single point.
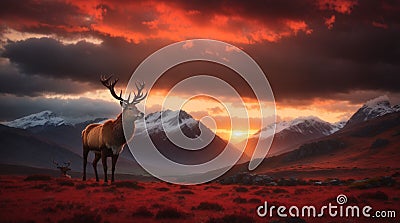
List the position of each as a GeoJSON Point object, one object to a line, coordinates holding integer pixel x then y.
{"type": "Point", "coordinates": [108, 139]}
{"type": "Point", "coordinates": [63, 168]}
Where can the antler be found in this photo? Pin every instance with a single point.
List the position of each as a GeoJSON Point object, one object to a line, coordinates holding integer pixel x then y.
{"type": "Point", "coordinates": [139, 96]}
{"type": "Point", "coordinates": [110, 84]}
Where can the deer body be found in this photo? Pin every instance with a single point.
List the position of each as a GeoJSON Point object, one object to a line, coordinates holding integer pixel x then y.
{"type": "Point", "coordinates": [108, 139]}
{"type": "Point", "coordinates": [108, 135]}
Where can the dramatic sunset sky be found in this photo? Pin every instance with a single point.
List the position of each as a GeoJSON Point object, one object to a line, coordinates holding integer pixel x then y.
{"type": "Point", "coordinates": [321, 57]}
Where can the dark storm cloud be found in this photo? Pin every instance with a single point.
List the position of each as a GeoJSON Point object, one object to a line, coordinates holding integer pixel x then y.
{"type": "Point", "coordinates": [353, 55]}
{"type": "Point", "coordinates": [329, 62]}
{"type": "Point", "coordinates": [41, 11]}
{"type": "Point", "coordinates": [288, 9]}
{"type": "Point", "coordinates": [82, 61]}
{"type": "Point", "coordinates": [74, 110]}
{"type": "Point", "coordinates": [44, 17]}
{"type": "Point", "coordinates": [16, 83]}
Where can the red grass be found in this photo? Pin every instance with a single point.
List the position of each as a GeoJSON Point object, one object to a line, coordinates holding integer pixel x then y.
{"type": "Point", "coordinates": [126, 201]}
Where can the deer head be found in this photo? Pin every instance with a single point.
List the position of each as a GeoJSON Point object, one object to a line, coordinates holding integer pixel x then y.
{"type": "Point", "coordinates": [129, 106]}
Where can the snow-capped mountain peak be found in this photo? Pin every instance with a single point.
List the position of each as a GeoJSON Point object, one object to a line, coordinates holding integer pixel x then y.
{"type": "Point", "coordinates": [44, 118]}
{"type": "Point", "coordinates": [373, 108]}
{"type": "Point", "coordinates": [379, 101]}
{"type": "Point", "coordinates": [300, 125]}
{"type": "Point", "coordinates": [165, 121]}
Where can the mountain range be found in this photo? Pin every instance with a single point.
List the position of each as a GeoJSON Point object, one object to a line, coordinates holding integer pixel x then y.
{"type": "Point", "coordinates": [37, 139]}
{"type": "Point", "coordinates": [52, 138]}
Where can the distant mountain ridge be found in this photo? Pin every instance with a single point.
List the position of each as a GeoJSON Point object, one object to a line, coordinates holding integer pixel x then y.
{"type": "Point", "coordinates": [289, 135]}
{"type": "Point", "coordinates": [302, 124]}
{"type": "Point", "coordinates": [373, 108]}
{"type": "Point", "coordinates": [47, 127]}
{"type": "Point", "coordinates": [68, 136]}
{"type": "Point", "coordinates": [44, 118]}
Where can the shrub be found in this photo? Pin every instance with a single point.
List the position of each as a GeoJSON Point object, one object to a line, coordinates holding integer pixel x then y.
{"type": "Point", "coordinates": [232, 218]}
{"type": "Point", "coordinates": [301, 191]}
{"type": "Point", "coordinates": [240, 200]}
{"type": "Point", "coordinates": [262, 192]}
{"type": "Point", "coordinates": [241, 189]}
{"type": "Point", "coordinates": [129, 184]}
{"type": "Point", "coordinates": [254, 201]}
{"type": "Point", "coordinates": [157, 205]}
{"type": "Point", "coordinates": [210, 206]}
{"type": "Point", "coordinates": [279, 190]}
{"type": "Point", "coordinates": [212, 187]}
{"type": "Point", "coordinates": [49, 210]}
{"type": "Point", "coordinates": [66, 183]}
{"type": "Point", "coordinates": [378, 195]}
{"type": "Point", "coordinates": [223, 195]}
{"type": "Point", "coordinates": [38, 177]}
{"type": "Point", "coordinates": [170, 213]}
{"type": "Point", "coordinates": [111, 209]}
{"type": "Point", "coordinates": [44, 187]}
{"type": "Point", "coordinates": [80, 186]}
{"type": "Point", "coordinates": [162, 189]}
{"type": "Point", "coordinates": [373, 182]}
{"type": "Point", "coordinates": [87, 217]}
{"type": "Point", "coordinates": [69, 206]}
{"type": "Point", "coordinates": [184, 192]}
{"type": "Point", "coordinates": [110, 189]}
{"type": "Point", "coordinates": [184, 187]}
{"type": "Point", "coordinates": [142, 211]}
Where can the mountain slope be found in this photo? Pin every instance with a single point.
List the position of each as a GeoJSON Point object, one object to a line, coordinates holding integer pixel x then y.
{"type": "Point", "coordinates": [21, 147]}
{"type": "Point", "coordinates": [371, 145]}
{"type": "Point", "coordinates": [65, 135]}
{"type": "Point", "coordinates": [289, 135]}
{"type": "Point", "coordinates": [175, 122]}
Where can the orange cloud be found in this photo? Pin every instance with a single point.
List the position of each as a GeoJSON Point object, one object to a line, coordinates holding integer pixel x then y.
{"type": "Point", "coordinates": [341, 6]}
{"type": "Point", "coordinates": [330, 21]}
{"type": "Point", "coordinates": [140, 21]}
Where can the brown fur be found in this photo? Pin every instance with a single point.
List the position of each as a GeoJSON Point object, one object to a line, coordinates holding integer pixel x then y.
{"type": "Point", "coordinates": [109, 134]}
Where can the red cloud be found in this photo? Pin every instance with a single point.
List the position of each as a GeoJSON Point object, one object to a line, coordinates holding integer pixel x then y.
{"type": "Point", "coordinates": [330, 21]}
{"type": "Point", "coordinates": [143, 20]}
{"type": "Point", "coordinates": [341, 6]}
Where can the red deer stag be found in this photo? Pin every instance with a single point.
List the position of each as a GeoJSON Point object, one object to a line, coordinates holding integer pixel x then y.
{"type": "Point", "coordinates": [108, 139]}
{"type": "Point", "coordinates": [63, 168]}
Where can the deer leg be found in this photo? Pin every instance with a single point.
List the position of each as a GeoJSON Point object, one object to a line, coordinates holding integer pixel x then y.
{"type": "Point", "coordinates": [104, 161]}
{"type": "Point", "coordinates": [85, 155]}
{"type": "Point", "coordinates": [114, 161]}
{"type": "Point", "coordinates": [95, 161]}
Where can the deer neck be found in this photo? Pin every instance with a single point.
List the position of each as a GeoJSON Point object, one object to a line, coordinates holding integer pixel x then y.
{"type": "Point", "coordinates": [129, 127]}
